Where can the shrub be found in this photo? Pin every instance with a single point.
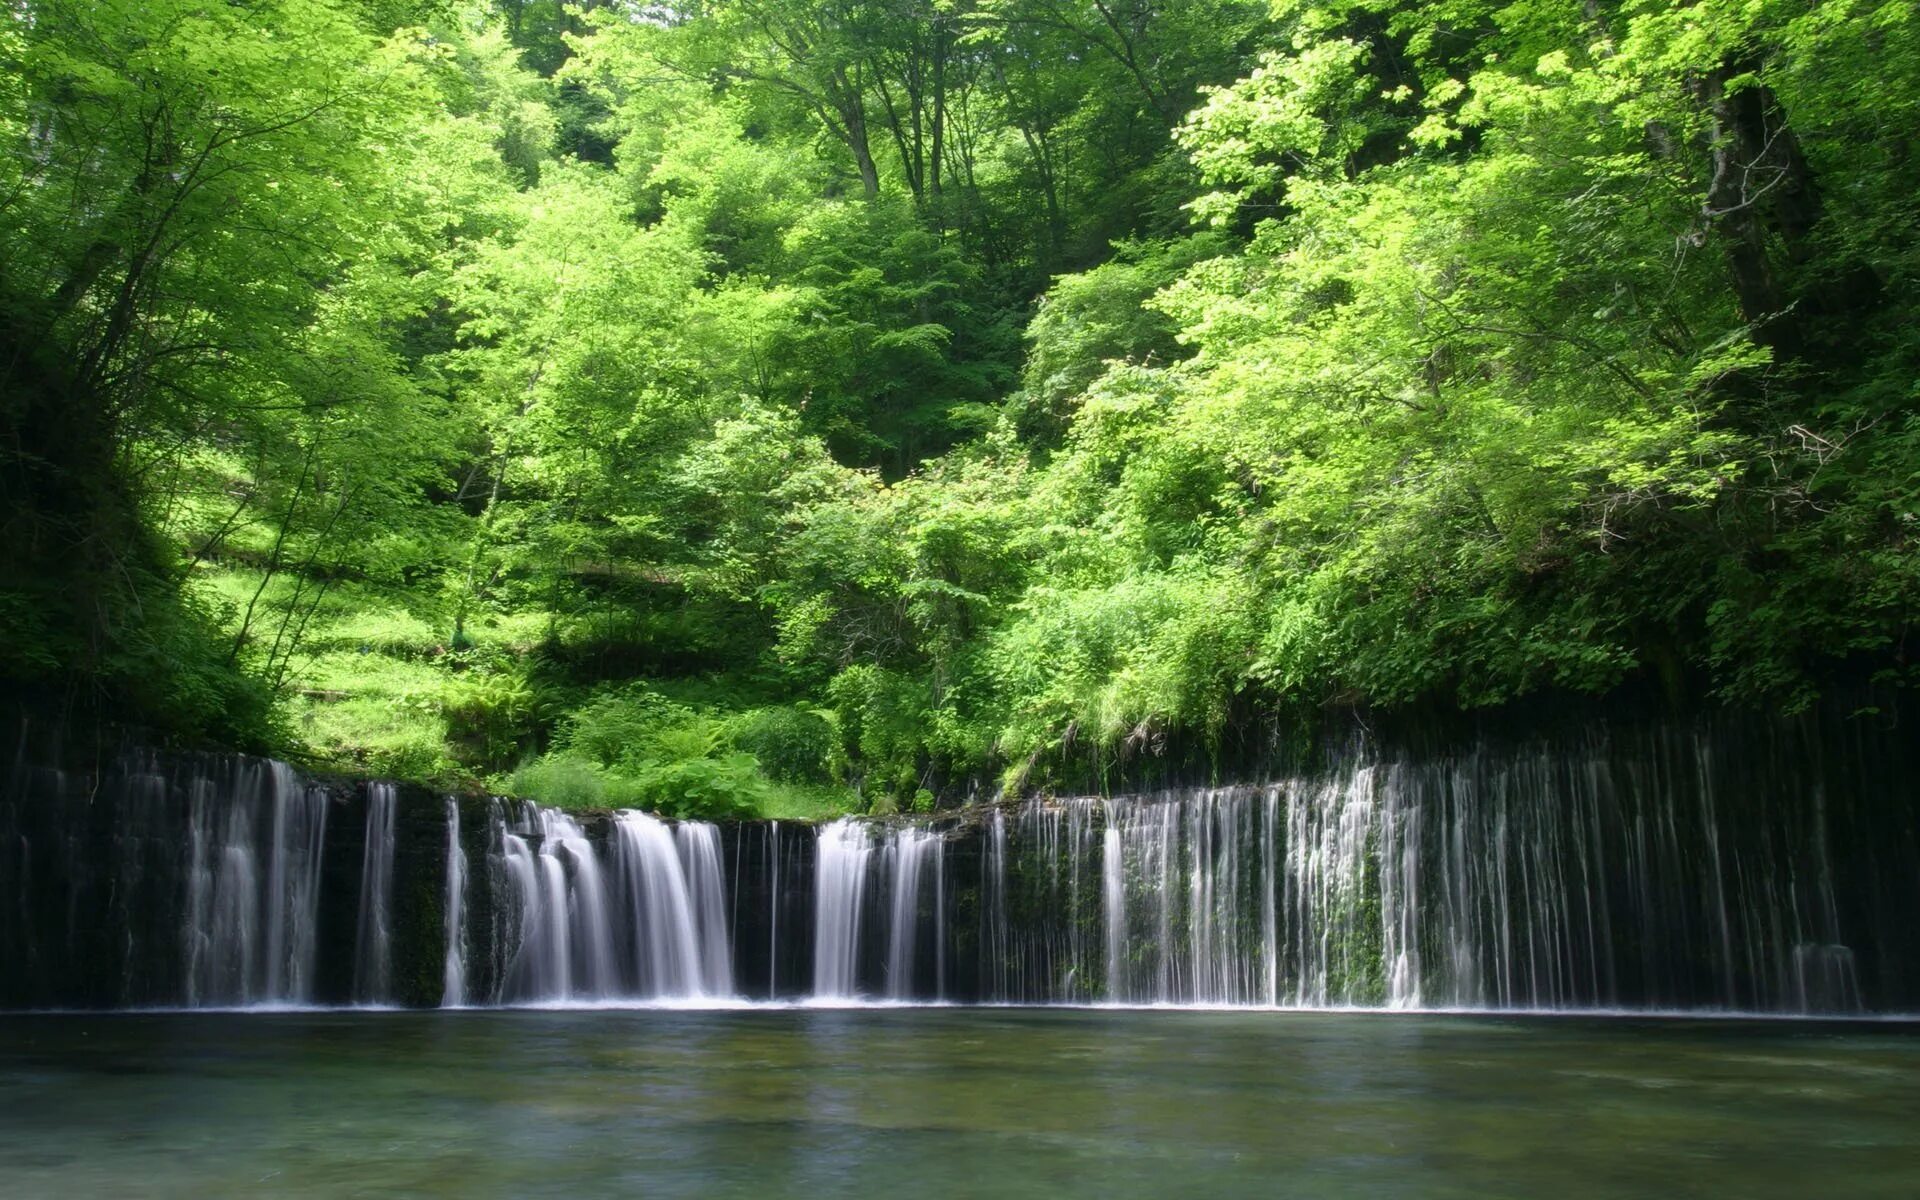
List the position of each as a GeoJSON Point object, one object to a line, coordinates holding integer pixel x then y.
{"type": "Point", "coordinates": [488, 716]}
{"type": "Point", "coordinates": [635, 723]}
{"type": "Point", "coordinates": [728, 787]}
{"type": "Point", "coordinates": [790, 744]}
{"type": "Point", "coordinates": [883, 717]}
{"type": "Point", "coordinates": [562, 781]}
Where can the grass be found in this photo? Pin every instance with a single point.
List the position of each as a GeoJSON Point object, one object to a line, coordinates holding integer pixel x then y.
{"type": "Point", "coordinates": [808, 802]}
{"type": "Point", "coordinates": [375, 712]}
{"type": "Point", "coordinates": [568, 781]}
{"type": "Point", "coordinates": [363, 690]}
{"type": "Point", "coordinates": [374, 688]}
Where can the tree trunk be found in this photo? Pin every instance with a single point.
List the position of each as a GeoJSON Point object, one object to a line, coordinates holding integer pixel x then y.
{"type": "Point", "coordinates": [1761, 198]}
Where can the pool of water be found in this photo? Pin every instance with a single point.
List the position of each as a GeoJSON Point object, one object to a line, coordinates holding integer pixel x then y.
{"type": "Point", "coordinates": [921, 1103]}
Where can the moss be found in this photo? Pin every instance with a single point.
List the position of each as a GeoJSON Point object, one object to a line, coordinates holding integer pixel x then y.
{"type": "Point", "coordinates": [1361, 948]}
{"type": "Point", "coordinates": [419, 900]}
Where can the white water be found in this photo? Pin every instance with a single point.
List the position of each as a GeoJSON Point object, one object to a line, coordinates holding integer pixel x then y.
{"type": "Point", "coordinates": [840, 887]}
{"type": "Point", "coordinates": [373, 944]}
{"type": "Point", "coordinates": [1668, 873]}
{"type": "Point", "coordinates": [1410, 887]}
{"type": "Point", "coordinates": [252, 886]}
{"type": "Point", "coordinates": [699, 846]}
{"type": "Point", "coordinates": [773, 909]}
{"type": "Point", "coordinates": [453, 993]}
{"type": "Point", "coordinates": [906, 852]}
{"type": "Point", "coordinates": [643, 918]}
{"type": "Point", "coordinates": [1606, 877]}
{"type": "Point", "coordinates": [671, 890]}
{"type": "Point", "coordinates": [565, 945]}
{"type": "Point", "coordinates": [1113, 904]}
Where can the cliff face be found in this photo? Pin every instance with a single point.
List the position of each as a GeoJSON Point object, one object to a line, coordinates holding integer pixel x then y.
{"type": "Point", "coordinates": [143, 878]}
{"type": "Point", "coordinates": [1728, 863]}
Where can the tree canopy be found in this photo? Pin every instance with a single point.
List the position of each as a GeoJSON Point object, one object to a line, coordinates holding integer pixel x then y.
{"type": "Point", "coordinates": [734, 404]}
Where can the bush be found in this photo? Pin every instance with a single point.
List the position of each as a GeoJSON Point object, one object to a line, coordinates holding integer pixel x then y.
{"type": "Point", "coordinates": [488, 717]}
{"type": "Point", "coordinates": [561, 781]}
{"type": "Point", "coordinates": [632, 747]}
{"type": "Point", "coordinates": [729, 787]}
{"type": "Point", "coordinates": [790, 744]}
{"type": "Point", "coordinates": [635, 723]}
{"type": "Point", "coordinates": [883, 717]}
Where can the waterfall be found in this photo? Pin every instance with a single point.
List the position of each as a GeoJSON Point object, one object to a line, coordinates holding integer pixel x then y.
{"type": "Point", "coordinates": [1603, 874]}
{"type": "Point", "coordinates": [453, 992]}
{"type": "Point", "coordinates": [537, 966]}
{"type": "Point", "coordinates": [372, 954]}
{"type": "Point", "coordinates": [577, 886]}
{"type": "Point", "coordinates": [1186, 889]}
{"type": "Point", "coordinates": [222, 901]}
{"type": "Point", "coordinates": [995, 920]}
{"type": "Point", "coordinates": [1113, 905]}
{"type": "Point", "coordinates": [254, 843]}
{"type": "Point", "coordinates": [845, 851]}
{"type": "Point", "coordinates": [1042, 915]}
{"type": "Point", "coordinates": [773, 909]}
{"type": "Point", "coordinates": [671, 887]}
{"type": "Point", "coordinates": [882, 914]}
{"type": "Point", "coordinates": [1404, 885]}
{"type": "Point", "coordinates": [699, 845]}
{"type": "Point", "coordinates": [906, 852]}
{"type": "Point", "coordinates": [638, 915]}
{"type": "Point", "coordinates": [940, 921]}
{"type": "Point", "coordinates": [1746, 866]}
{"type": "Point", "coordinates": [565, 947]}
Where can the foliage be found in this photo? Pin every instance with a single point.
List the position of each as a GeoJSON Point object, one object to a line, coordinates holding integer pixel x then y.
{"type": "Point", "coordinates": [790, 744]}
{"type": "Point", "coordinates": [753, 407]}
{"type": "Point", "coordinates": [703, 788]}
{"type": "Point", "coordinates": [489, 715]}
{"type": "Point", "coordinates": [633, 747]}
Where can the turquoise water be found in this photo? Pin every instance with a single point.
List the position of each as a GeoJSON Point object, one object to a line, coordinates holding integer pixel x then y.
{"type": "Point", "coordinates": [924, 1102]}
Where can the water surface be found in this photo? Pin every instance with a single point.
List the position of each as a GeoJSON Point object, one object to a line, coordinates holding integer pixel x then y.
{"type": "Point", "coordinates": [925, 1102]}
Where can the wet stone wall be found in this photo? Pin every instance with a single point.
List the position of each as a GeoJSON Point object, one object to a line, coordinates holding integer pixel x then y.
{"type": "Point", "coordinates": [1728, 863]}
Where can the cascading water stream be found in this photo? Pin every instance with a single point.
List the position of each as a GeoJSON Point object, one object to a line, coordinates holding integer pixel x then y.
{"type": "Point", "coordinates": [252, 885]}
{"type": "Point", "coordinates": [453, 992]}
{"type": "Point", "coordinates": [373, 946]}
{"type": "Point", "coordinates": [565, 946]}
{"type": "Point", "coordinates": [773, 909]}
{"type": "Point", "coordinates": [845, 851]}
{"type": "Point", "coordinates": [671, 888]}
{"type": "Point", "coordinates": [1537, 878]}
{"type": "Point", "coordinates": [699, 846]}
{"type": "Point", "coordinates": [658, 902]}
{"type": "Point", "coordinates": [1113, 904]}
{"type": "Point", "coordinates": [1653, 868]}
{"type": "Point", "coordinates": [641, 916]}
{"type": "Point", "coordinates": [907, 852]}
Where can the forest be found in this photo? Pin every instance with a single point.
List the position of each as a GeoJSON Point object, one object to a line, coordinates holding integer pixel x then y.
{"type": "Point", "coordinates": [795, 407]}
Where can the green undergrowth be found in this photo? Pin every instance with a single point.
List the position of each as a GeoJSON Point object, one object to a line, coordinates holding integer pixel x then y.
{"type": "Point", "coordinates": [631, 746]}
{"type": "Point", "coordinates": [376, 684]}
{"type": "Point", "coordinates": [535, 409]}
